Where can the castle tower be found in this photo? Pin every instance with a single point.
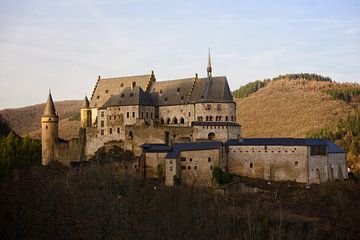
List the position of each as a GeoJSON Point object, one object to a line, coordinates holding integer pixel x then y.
{"type": "Point", "coordinates": [49, 131]}
{"type": "Point", "coordinates": [209, 68]}
{"type": "Point", "coordinates": [85, 113]}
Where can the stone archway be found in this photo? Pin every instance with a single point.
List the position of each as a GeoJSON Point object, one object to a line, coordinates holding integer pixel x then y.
{"type": "Point", "coordinates": [211, 136]}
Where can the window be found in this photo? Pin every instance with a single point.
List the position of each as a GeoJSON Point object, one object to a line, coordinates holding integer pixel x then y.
{"type": "Point", "coordinates": [121, 85]}
{"type": "Point", "coordinates": [190, 159]}
{"type": "Point", "coordinates": [160, 91]}
{"type": "Point", "coordinates": [182, 121]}
{"type": "Point", "coordinates": [183, 167]}
{"type": "Point", "coordinates": [166, 99]}
{"type": "Point", "coordinates": [296, 163]}
{"type": "Point", "coordinates": [142, 114]}
{"type": "Point", "coordinates": [102, 124]}
{"type": "Point", "coordinates": [226, 118]}
{"type": "Point", "coordinates": [46, 127]}
{"type": "Point", "coordinates": [151, 115]}
{"type": "Point", "coordinates": [211, 118]}
{"type": "Point", "coordinates": [102, 132]}
{"type": "Point", "coordinates": [122, 95]}
{"type": "Point", "coordinates": [251, 165]}
{"type": "Point", "coordinates": [102, 114]}
{"type": "Point", "coordinates": [318, 150]}
{"type": "Point", "coordinates": [118, 130]}
{"type": "Point", "coordinates": [189, 114]}
{"type": "Point", "coordinates": [195, 167]}
{"type": "Point", "coordinates": [147, 115]}
{"type": "Point", "coordinates": [175, 120]}
{"type": "Point", "coordinates": [211, 167]}
{"type": "Point", "coordinates": [131, 94]}
{"type": "Point", "coordinates": [209, 159]}
{"type": "Point", "coordinates": [133, 84]}
{"type": "Point", "coordinates": [183, 159]}
{"type": "Point", "coordinates": [110, 130]}
{"type": "Point", "coordinates": [182, 98]}
{"type": "Point", "coordinates": [189, 167]}
{"type": "Point", "coordinates": [133, 114]}
{"type": "Point", "coordinates": [97, 97]}
{"type": "Point", "coordinates": [127, 115]}
{"type": "Point", "coordinates": [106, 91]}
{"type": "Point", "coordinates": [178, 90]}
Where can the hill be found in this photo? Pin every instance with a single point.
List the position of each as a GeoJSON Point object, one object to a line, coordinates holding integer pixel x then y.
{"type": "Point", "coordinates": [26, 120]}
{"type": "Point", "coordinates": [292, 108]}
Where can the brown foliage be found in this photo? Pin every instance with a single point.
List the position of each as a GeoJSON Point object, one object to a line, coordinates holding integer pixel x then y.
{"type": "Point", "coordinates": [286, 108]}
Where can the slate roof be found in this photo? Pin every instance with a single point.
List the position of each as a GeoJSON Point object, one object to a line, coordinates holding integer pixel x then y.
{"type": "Point", "coordinates": [106, 87]}
{"type": "Point", "coordinates": [49, 108]}
{"type": "Point", "coordinates": [193, 146]}
{"type": "Point", "coordinates": [129, 97]}
{"type": "Point", "coordinates": [277, 142]}
{"type": "Point", "coordinates": [176, 92]}
{"type": "Point", "coordinates": [205, 123]}
{"type": "Point", "coordinates": [156, 147]}
{"type": "Point", "coordinates": [332, 147]}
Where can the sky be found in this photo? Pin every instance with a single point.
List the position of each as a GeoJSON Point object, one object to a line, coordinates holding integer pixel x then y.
{"type": "Point", "coordinates": [65, 45]}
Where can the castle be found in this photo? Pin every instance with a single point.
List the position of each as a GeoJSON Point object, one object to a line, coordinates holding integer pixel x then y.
{"type": "Point", "coordinates": [184, 129]}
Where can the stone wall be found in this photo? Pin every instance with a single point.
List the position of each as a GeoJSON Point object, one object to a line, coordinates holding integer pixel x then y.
{"type": "Point", "coordinates": [275, 163]}
{"type": "Point", "coordinates": [196, 167]}
{"type": "Point", "coordinates": [67, 151]}
{"type": "Point", "coordinates": [172, 169]}
{"type": "Point", "coordinates": [169, 113]}
{"type": "Point", "coordinates": [222, 111]}
{"type": "Point", "coordinates": [337, 166]}
{"type": "Point", "coordinates": [153, 160]}
{"type": "Point", "coordinates": [221, 133]}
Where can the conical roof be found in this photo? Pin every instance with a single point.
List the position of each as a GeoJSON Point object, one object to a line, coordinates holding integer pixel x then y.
{"type": "Point", "coordinates": [86, 103]}
{"type": "Point", "coordinates": [49, 108]}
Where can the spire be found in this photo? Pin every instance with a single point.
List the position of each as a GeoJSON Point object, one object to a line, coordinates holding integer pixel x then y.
{"type": "Point", "coordinates": [49, 108]}
{"type": "Point", "coordinates": [86, 103]}
{"type": "Point", "coordinates": [209, 68]}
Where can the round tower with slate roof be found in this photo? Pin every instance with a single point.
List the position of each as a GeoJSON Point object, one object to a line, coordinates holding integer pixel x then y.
{"type": "Point", "coordinates": [49, 132]}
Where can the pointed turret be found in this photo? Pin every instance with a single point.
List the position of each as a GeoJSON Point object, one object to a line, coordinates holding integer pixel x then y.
{"type": "Point", "coordinates": [50, 107]}
{"type": "Point", "coordinates": [86, 103]}
{"type": "Point", "coordinates": [209, 68]}
{"type": "Point", "coordinates": [49, 131]}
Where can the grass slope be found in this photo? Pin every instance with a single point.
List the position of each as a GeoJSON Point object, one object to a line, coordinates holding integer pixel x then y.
{"type": "Point", "coordinates": [291, 108]}
{"type": "Point", "coordinates": [27, 119]}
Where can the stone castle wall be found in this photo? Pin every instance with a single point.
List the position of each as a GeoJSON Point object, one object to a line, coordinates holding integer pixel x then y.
{"type": "Point", "coordinates": [272, 162]}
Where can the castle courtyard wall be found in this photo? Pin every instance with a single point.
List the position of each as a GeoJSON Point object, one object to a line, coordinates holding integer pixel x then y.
{"type": "Point", "coordinates": [337, 166]}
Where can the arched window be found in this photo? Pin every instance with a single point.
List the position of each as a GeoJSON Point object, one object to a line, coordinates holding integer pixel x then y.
{"type": "Point", "coordinates": [168, 120]}
{"type": "Point", "coordinates": [182, 121]}
{"type": "Point", "coordinates": [211, 136]}
{"type": "Point", "coordinates": [162, 121]}
{"type": "Point", "coordinates": [232, 118]}
{"type": "Point", "coordinates": [175, 121]}
{"type": "Point", "coordinates": [207, 118]}
{"type": "Point", "coordinates": [130, 135]}
{"type": "Point", "coordinates": [210, 118]}
{"type": "Point", "coordinates": [226, 118]}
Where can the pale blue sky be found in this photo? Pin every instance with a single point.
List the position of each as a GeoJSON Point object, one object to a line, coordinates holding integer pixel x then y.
{"type": "Point", "coordinates": [64, 45]}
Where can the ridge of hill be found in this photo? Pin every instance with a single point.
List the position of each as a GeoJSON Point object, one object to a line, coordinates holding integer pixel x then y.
{"type": "Point", "coordinates": [27, 119]}
{"type": "Point", "coordinates": [288, 108]}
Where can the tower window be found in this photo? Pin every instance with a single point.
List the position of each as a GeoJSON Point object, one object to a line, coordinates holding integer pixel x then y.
{"type": "Point", "coordinates": [127, 114]}
{"type": "Point", "coordinates": [46, 127]}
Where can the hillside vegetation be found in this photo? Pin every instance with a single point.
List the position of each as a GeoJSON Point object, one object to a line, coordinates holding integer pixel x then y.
{"type": "Point", "coordinates": [253, 87]}
{"type": "Point", "coordinates": [288, 108]}
{"type": "Point", "coordinates": [27, 119]}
